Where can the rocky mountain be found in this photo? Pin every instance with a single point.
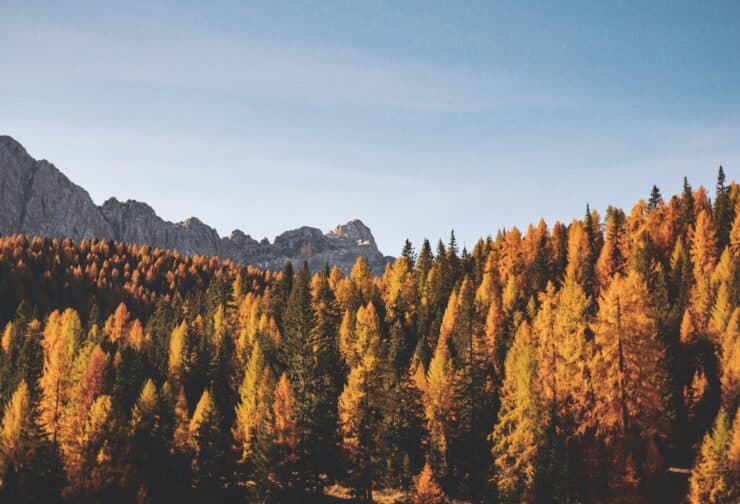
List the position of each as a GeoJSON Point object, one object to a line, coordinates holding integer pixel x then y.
{"type": "Point", "coordinates": [37, 199]}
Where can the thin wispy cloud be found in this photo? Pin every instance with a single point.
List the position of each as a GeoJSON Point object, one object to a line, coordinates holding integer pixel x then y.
{"type": "Point", "coordinates": [253, 69]}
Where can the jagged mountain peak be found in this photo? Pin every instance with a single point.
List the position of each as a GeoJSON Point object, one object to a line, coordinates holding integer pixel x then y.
{"type": "Point", "coordinates": [38, 199]}
{"type": "Point", "coordinates": [356, 231]}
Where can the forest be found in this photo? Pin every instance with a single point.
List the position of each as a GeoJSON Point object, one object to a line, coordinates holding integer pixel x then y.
{"type": "Point", "coordinates": [591, 361]}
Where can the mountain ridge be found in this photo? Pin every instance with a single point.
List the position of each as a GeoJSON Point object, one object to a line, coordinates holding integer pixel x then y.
{"type": "Point", "coordinates": [36, 198]}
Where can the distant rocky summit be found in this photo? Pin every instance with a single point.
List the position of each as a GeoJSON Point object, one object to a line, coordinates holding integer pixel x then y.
{"type": "Point", "coordinates": [37, 199]}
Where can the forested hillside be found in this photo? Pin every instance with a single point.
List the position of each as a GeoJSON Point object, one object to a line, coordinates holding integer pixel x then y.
{"type": "Point", "coordinates": [592, 361]}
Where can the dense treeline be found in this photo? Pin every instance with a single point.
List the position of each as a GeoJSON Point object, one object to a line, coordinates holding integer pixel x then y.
{"type": "Point", "coordinates": [594, 361]}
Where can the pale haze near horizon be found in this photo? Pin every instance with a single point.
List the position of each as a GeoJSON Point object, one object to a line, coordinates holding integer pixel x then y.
{"type": "Point", "coordinates": [415, 118]}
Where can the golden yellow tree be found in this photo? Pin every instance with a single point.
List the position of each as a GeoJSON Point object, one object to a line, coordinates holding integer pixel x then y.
{"type": "Point", "coordinates": [254, 399]}
{"type": "Point", "coordinates": [704, 247]}
{"type": "Point", "coordinates": [347, 337]}
{"type": "Point", "coordinates": [220, 326]}
{"type": "Point", "coordinates": [496, 335]}
{"type": "Point", "coordinates": [118, 325]}
{"type": "Point", "coordinates": [284, 422]}
{"type": "Point", "coordinates": [489, 288]}
{"type": "Point", "coordinates": [735, 234]}
{"type": "Point", "coordinates": [703, 258]}
{"type": "Point", "coordinates": [426, 489]}
{"type": "Point", "coordinates": [629, 376]}
{"type": "Point", "coordinates": [579, 256]}
{"type": "Point", "coordinates": [237, 289]}
{"type": "Point", "coordinates": [439, 397]}
{"type": "Point", "coordinates": [362, 280]}
{"type": "Point", "coordinates": [359, 400]}
{"type": "Point", "coordinates": [276, 446]}
{"type": "Point", "coordinates": [177, 349]}
{"type": "Point", "coordinates": [512, 295]}
{"type": "Point", "coordinates": [90, 461]}
{"type": "Point", "coordinates": [248, 325]}
{"type": "Point", "coordinates": [16, 440]}
{"type": "Point", "coordinates": [447, 328]}
{"type": "Point", "coordinates": [60, 341]}
{"type": "Point", "coordinates": [726, 271]}
{"type": "Point", "coordinates": [711, 478]}
{"type": "Point", "coordinates": [721, 313]}
{"type": "Point", "coordinates": [206, 443]}
{"type": "Point", "coordinates": [519, 434]}
{"type": "Point", "coordinates": [563, 353]}
{"type": "Point", "coordinates": [730, 363]}
{"type": "Point", "coordinates": [8, 336]}
{"type": "Point", "coordinates": [92, 381]}
{"type": "Point", "coordinates": [511, 257]}
{"type": "Point", "coordinates": [145, 413]}
{"type": "Point", "coordinates": [400, 291]}
{"type": "Point", "coordinates": [367, 333]}
{"type": "Point", "coordinates": [356, 426]}
{"type": "Point", "coordinates": [734, 454]}
{"type": "Point", "coordinates": [88, 385]}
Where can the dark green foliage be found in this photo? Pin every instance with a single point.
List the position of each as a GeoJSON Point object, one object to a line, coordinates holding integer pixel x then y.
{"type": "Point", "coordinates": [723, 212]}
{"type": "Point", "coordinates": [687, 208]}
{"type": "Point", "coordinates": [655, 198]}
{"type": "Point", "coordinates": [409, 253]}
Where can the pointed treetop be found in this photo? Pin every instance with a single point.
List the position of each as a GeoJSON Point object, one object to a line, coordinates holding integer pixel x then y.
{"type": "Point", "coordinates": [409, 253]}
{"type": "Point", "coordinates": [426, 488]}
{"type": "Point", "coordinates": [655, 198]}
{"type": "Point", "coordinates": [452, 245]}
{"type": "Point", "coordinates": [721, 180]}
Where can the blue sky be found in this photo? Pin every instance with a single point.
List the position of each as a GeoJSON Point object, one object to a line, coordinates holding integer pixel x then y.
{"type": "Point", "coordinates": [416, 117]}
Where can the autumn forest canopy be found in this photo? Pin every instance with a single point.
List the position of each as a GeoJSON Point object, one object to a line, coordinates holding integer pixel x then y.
{"type": "Point", "coordinates": [590, 361]}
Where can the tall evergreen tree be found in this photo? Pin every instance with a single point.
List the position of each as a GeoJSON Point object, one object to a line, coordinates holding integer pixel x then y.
{"type": "Point", "coordinates": [722, 210]}
{"type": "Point", "coordinates": [282, 292]}
{"type": "Point", "coordinates": [519, 435]}
{"type": "Point", "coordinates": [206, 443]}
{"type": "Point", "coordinates": [60, 341]}
{"type": "Point", "coordinates": [563, 348]}
{"type": "Point", "coordinates": [612, 259]}
{"type": "Point", "coordinates": [687, 209]}
{"type": "Point", "coordinates": [16, 440]}
{"type": "Point", "coordinates": [147, 451]}
{"type": "Point", "coordinates": [254, 400]}
{"type": "Point", "coordinates": [92, 465]}
{"type": "Point", "coordinates": [326, 377]}
{"type": "Point", "coordinates": [580, 262]}
{"type": "Point", "coordinates": [439, 396]}
{"type": "Point", "coordinates": [655, 198]}
{"type": "Point", "coordinates": [276, 447]}
{"type": "Point", "coordinates": [424, 262]}
{"type": "Point", "coordinates": [359, 414]}
{"type": "Point", "coordinates": [301, 362]}
{"type": "Point", "coordinates": [409, 253]}
{"type": "Point", "coordinates": [629, 372]}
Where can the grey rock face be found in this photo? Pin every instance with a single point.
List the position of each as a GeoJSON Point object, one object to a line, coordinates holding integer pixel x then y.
{"type": "Point", "coordinates": [135, 222]}
{"type": "Point", "coordinates": [37, 199]}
